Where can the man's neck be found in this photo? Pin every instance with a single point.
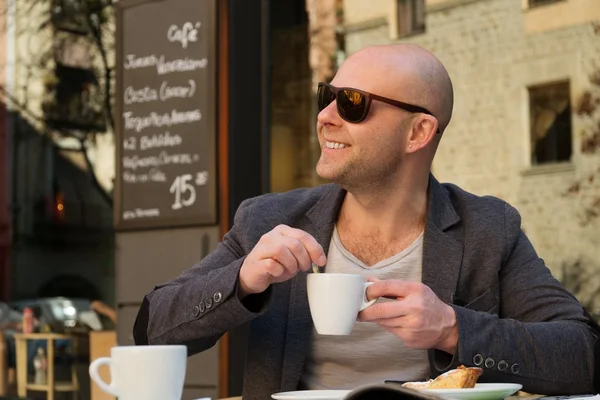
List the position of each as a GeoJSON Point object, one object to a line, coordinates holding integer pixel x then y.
{"type": "Point", "coordinates": [392, 211]}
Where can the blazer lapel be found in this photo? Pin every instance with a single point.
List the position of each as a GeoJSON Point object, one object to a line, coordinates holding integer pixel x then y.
{"type": "Point", "coordinates": [320, 222]}
{"type": "Point", "coordinates": [442, 252]}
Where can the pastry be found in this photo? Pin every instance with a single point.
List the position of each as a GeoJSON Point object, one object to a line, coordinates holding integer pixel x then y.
{"type": "Point", "coordinates": [460, 378]}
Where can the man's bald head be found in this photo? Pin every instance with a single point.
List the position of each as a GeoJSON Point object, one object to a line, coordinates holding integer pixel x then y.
{"type": "Point", "coordinates": [408, 73]}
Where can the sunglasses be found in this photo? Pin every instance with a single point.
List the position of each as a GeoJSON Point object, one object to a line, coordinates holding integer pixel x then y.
{"type": "Point", "coordinates": [353, 104]}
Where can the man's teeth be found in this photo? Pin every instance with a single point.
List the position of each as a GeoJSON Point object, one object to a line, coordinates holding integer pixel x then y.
{"type": "Point", "coordinates": [335, 145]}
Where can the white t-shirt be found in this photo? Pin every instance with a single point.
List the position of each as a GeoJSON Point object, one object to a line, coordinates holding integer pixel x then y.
{"type": "Point", "coordinates": [370, 354]}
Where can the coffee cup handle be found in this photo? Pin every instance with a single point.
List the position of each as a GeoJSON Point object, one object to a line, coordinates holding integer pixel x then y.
{"type": "Point", "coordinates": [365, 302]}
{"type": "Point", "coordinates": [94, 366]}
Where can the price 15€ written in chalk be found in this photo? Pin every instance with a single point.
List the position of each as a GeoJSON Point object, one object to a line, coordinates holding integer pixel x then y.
{"type": "Point", "coordinates": [183, 189]}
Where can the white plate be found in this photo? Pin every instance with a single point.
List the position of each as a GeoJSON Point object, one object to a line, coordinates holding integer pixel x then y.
{"type": "Point", "coordinates": [312, 395]}
{"type": "Point", "coordinates": [481, 391]}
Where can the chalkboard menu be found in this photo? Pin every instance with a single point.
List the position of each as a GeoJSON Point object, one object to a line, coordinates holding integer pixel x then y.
{"type": "Point", "coordinates": [165, 113]}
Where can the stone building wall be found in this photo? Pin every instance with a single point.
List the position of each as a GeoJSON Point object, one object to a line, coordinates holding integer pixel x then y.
{"type": "Point", "coordinates": [494, 51]}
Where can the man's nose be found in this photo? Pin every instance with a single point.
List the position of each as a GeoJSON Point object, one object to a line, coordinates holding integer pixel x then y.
{"type": "Point", "coordinates": [329, 115]}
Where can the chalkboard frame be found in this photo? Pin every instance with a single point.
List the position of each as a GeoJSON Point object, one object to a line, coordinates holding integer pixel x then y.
{"type": "Point", "coordinates": [163, 223]}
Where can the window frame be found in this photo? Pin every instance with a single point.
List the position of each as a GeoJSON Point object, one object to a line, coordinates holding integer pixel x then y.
{"type": "Point", "coordinates": [541, 3]}
{"type": "Point", "coordinates": [530, 126]}
{"type": "Point", "coordinates": [62, 95]}
{"type": "Point", "coordinates": [67, 19]}
{"type": "Point", "coordinates": [417, 27]}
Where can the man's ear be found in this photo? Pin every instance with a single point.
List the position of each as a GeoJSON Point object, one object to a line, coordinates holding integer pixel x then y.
{"type": "Point", "coordinates": [424, 130]}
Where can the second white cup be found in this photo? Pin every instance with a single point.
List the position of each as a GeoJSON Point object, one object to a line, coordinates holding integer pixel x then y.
{"type": "Point", "coordinates": [335, 301]}
{"type": "Point", "coordinates": [143, 372]}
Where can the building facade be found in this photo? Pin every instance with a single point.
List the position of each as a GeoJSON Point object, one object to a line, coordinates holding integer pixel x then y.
{"type": "Point", "coordinates": [57, 155]}
{"type": "Point", "coordinates": [526, 76]}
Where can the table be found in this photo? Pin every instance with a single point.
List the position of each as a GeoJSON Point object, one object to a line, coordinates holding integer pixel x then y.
{"type": "Point", "coordinates": [22, 364]}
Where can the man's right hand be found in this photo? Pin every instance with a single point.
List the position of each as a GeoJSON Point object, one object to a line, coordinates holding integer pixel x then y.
{"type": "Point", "coordinates": [278, 256]}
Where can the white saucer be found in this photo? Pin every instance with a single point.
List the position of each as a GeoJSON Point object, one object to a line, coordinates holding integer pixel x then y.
{"type": "Point", "coordinates": [312, 395]}
{"type": "Point", "coordinates": [481, 391]}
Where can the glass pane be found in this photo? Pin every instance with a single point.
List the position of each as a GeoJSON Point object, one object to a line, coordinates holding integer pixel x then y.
{"type": "Point", "coordinates": [536, 3]}
{"type": "Point", "coordinates": [550, 120]}
{"type": "Point", "coordinates": [292, 115]}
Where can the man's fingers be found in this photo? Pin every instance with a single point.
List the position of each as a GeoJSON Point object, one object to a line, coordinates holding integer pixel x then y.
{"type": "Point", "coordinates": [281, 254]}
{"type": "Point", "coordinates": [315, 251]}
{"type": "Point", "coordinates": [391, 288]}
{"type": "Point", "coordinates": [298, 250]}
{"type": "Point", "coordinates": [383, 310]}
{"type": "Point", "coordinates": [397, 322]}
{"type": "Point", "coordinates": [273, 267]}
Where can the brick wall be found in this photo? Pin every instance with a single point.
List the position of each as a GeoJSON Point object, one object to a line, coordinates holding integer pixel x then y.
{"type": "Point", "coordinates": [492, 61]}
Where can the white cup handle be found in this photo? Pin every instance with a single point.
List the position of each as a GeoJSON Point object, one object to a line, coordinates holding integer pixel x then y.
{"type": "Point", "coordinates": [365, 302]}
{"type": "Point", "coordinates": [94, 366]}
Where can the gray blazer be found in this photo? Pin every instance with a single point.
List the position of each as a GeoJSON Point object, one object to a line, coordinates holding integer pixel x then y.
{"type": "Point", "coordinates": [515, 320]}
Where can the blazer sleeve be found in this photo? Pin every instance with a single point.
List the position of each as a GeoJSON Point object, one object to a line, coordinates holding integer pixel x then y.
{"type": "Point", "coordinates": [199, 306]}
{"type": "Point", "coordinates": [542, 337]}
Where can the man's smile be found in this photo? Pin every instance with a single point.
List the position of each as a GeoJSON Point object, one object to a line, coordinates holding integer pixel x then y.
{"type": "Point", "coordinates": [335, 145]}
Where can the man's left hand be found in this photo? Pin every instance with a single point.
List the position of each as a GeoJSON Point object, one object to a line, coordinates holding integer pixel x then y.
{"type": "Point", "coordinates": [417, 316]}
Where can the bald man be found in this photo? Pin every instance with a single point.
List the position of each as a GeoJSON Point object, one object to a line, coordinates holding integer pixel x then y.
{"type": "Point", "coordinates": [459, 282]}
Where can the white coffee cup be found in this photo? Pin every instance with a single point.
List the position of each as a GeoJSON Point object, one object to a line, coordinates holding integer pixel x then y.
{"type": "Point", "coordinates": [143, 372]}
{"type": "Point", "coordinates": [335, 301]}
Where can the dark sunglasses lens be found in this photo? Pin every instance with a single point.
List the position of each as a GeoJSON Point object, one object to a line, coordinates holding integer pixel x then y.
{"type": "Point", "coordinates": [324, 97]}
{"type": "Point", "coordinates": [351, 105]}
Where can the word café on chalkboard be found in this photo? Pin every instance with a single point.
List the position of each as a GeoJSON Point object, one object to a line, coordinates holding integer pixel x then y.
{"type": "Point", "coordinates": [166, 125]}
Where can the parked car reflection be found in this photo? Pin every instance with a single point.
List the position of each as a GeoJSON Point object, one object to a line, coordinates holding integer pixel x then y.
{"type": "Point", "coordinates": [61, 314]}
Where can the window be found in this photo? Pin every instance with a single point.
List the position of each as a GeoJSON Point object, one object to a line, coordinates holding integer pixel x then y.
{"type": "Point", "coordinates": [550, 123]}
{"type": "Point", "coordinates": [73, 100]}
{"type": "Point", "coordinates": [537, 3]}
{"type": "Point", "coordinates": [411, 17]}
{"type": "Point", "coordinates": [68, 15]}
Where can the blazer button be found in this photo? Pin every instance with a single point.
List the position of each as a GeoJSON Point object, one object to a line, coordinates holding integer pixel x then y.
{"type": "Point", "coordinates": [201, 307]}
{"type": "Point", "coordinates": [196, 311]}
{"type": "Point", "coordinates": [502, 365]}
{"type": "Point", "coordinates": [515, 369]}
{"type": "Point", "coordinates": [489, 362]}
{"type": "Point", "coordinates": [478, 359]}
{"type": "Point", "coordinates": [208, 303]}
{"type": "Point", "coordinates": [217, 297]}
